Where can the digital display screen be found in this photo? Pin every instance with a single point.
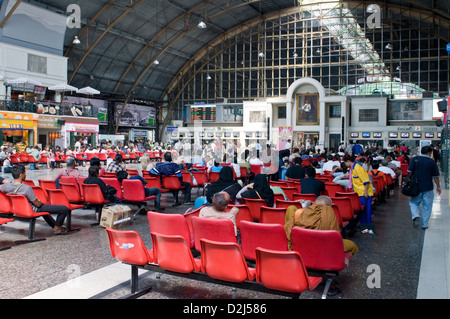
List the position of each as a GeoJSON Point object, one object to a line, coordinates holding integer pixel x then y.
{"type": "Point", "coordinates": [248, 134]}
{"type": "Point", "coordinates": [227, 134]}
{"type": "Point", "coordinates": [219, 134]}
{"type": "Point", "coordinates": [365, 134]}
{"type": "Point", "coordinates": [236, 134]}
{"type": "Point", "coordinates": [203, 113]}
{"type": "Point", "coordinates": [354, 134]}
{"type": "Point", "coordinates": [393, 135]}
{"type": "Point", "coordinates": [404, 134]}
{"type": "Point", "coordinates": [429, 135]}
{"type": "Point", "coordinates": [201, 134]}
{"type": "Point", "coordinates": [376, 134]}
{"type": "Point", "coordinates": [258, 134]}
{"type": "Point", "coordinates": [190, 134]}
{"type": "Point", "coordinates": [210, 134]}
{"type": "Point", "coordinates": [417, 134]}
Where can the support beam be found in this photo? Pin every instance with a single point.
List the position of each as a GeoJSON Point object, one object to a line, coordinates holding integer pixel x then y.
{"type": "Point", "coordinates": [10, 13]}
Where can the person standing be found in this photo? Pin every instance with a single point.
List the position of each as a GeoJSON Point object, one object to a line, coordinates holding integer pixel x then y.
{"type": "Point", "coordinates": [359, 181]}
{"type": "Point", "coordinates": [426, 170]}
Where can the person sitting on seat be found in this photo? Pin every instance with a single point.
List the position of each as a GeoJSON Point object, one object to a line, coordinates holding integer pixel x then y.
{"type": "Point", "coordinates": [17, 188]}
{"type": "Point", "coordinates": [116, 166]}
{"type": "Point", "coordinates": [220, 201]}
{"type": "Point", "coordinates": [311, 185]}
{"type": "Point", "coordinates": [109, 192]}
{"type": "Point", "coordinates": [167, 168]}
{"type": "Point", "coordinates": [319, 215]}
{"type": "Point", "coordinates": [296, 171]}
{"type": "Point", "coordinates": [224, 183]}
{"type": "Point", "coordinates": [260, 189]}
{"type": "Point", "coordinates": [149, 191]}
{"type": "Point", "coordinates": [70, 170]}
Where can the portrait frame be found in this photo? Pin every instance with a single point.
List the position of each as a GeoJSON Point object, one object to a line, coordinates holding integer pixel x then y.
{"type": "Point", "coordinates": [308, 109]}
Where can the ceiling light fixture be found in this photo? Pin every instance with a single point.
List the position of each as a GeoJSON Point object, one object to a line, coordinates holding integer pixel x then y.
{"type": "Point", "coordinates": [156, 62]}
{"type": "Point", "coordinates": [388, 46]}
{"type": "Point", "coordinates": [208, 77]}
{"type": "Point", "coordinates": [295, 55]}
{"type": "Point", "coordinates": [202, 25]}
{"type": "Point", "coordinates": [261, 55]}
{"type": "Point", "coordinates": [76, 41]}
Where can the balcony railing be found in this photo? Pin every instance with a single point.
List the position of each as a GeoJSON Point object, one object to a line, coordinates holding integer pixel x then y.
{"type": "Point", "coordinates": [47, 108]}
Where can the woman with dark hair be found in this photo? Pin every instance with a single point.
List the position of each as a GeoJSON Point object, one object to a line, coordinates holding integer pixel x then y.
{"type": "Point", "coordinates": [224, 183]}
{"type": "Point", "coordinates": [359, 181]}
{"type": "Point", "coordinates": [116, 166]}
{"type": "Point", "coordinates": [259, 189]}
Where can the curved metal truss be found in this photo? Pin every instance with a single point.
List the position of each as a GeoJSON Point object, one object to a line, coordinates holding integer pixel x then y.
{"type": "Point", "coordinates": [329, 41]}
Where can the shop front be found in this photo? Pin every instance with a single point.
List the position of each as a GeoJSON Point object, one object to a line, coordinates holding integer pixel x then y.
{"type": "Point", "coordinates": [84, 130]}
{"type": "Point", "coordinates": [17, 126]}
{"type": "Point", "coordinates": [49, 129]}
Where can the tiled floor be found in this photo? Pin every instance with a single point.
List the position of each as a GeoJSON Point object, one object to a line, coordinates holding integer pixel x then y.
{"type": "Point", "coordinates": [404, 262]}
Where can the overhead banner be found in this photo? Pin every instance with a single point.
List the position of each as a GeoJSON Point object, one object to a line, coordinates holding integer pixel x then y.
{"type": "Point", "coordinates": [284, 134]}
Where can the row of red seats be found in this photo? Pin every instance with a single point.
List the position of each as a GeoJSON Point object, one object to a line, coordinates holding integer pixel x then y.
{"type": "Point", "coordinates": [276, 267]}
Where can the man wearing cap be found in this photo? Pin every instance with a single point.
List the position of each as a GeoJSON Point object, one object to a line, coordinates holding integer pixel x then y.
{"type": "Point", "coordinates": [70, 170]}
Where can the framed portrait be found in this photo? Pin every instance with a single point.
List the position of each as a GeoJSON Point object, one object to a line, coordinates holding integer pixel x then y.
{"type": "Point", "coordinates": [307, 109]}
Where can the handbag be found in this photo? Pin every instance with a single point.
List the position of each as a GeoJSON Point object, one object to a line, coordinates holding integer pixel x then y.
{"type": "Point", "coordinates": [411, 187]}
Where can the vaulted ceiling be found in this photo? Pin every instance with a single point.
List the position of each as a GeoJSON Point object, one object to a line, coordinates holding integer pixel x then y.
{"type": "Point", "coordinates": [135, 48]}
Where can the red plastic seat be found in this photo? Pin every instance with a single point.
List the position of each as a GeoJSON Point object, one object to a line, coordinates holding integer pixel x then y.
{"type": "Point", "coordinates": [404, 167]}
{"type": "Point", "coordinates": [254, 235]}
{"type": "Point", "coordinates": [102, 157]}
{"type": "Point", "coordinates": [92, 194]}
{"type": "Point", "coordinates": [256, 168]}
{"type": "Point", "coordinates": [278, 183]}
{"type": "Point", "coordinates": [244, 214]}
{"type": "Point", "coordinates": [47, 184]}
{"type": "Point", "coordinates": [356, 203]}
{"type": "Point", "coordinates": [333, 188]}
{"type": "Point", "coordinates": [57, 197]}
{"type": "Point", "coordinates": [212, 229]}
{"type": "Point", "coordinates": [286, 203]}
{"type": "Point", "coordinates": [5, 204]}
{"type": "Point", "coordinates": [255, 207]}
{"type": "Point", "coordinates": [114, 182]}
{"type": "Point", "coordinates": [72, 192]}
{"type": "Point", "coordinates": [28, 182]}
{"type": "Point", "coordinates": [289, 192]}
{"type": "Point", "coordinates": [40, 194]}
{"type": "Point", "coordinates": [338, 216]}
{"type": "Point", "coordinates": [21, 209]}
{"type": "Point", "coordinates": [278, 196]}
{"type": "Point", "coordinates": [70, 180]}
{"type": "Point", "coordinates": [128, 247]}
{"type": "Point", "coordinates": [133, 192]}
{"type": "Point", "coordinates": [170, 224]}
{"type": "Point", "coordinates": [200, 177]}
{"type": "Point", "coordinates": [171, 252]}
{"type": "Point", "coordinates": [311, 197]}
{"type": "Point", "coordinates": [155, 182]}
{"type": "Point", "coordinates": [272, 215]}
{"type": "Point", "coordinates": [322, 251]}
{"type": "Point", "coordinates": [283, 271]}
{"type": "Point", "coordinates": [345, 207]}
{"type": "Point", "coordinates": [132, 172]}
{"type": "Point", "coordinates": [171, 182]}
{"type": "Point", "coordinates": [213, 176]}
{"type": "Point", "coordinates": [225, 261]}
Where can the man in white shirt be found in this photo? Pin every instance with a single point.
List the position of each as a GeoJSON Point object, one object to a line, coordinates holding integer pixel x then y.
{"type": "Point", "coordinates": [328, 165]}
{"type": "Point", "coordinates": [385, 169]}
